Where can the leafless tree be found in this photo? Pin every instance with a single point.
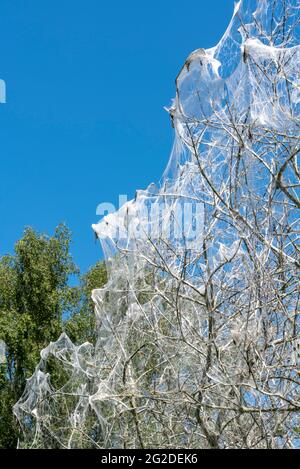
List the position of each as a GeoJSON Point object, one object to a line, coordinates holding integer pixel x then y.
{"type": "Point", "coordinates": [198, 327]}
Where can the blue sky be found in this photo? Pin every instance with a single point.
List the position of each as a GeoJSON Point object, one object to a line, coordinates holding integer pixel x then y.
{"type": "Point", "coordinates": [84, 120]}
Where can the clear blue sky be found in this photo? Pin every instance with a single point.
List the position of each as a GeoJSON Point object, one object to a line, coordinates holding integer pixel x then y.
{"type": "Point", "coordinates": [84, 119]}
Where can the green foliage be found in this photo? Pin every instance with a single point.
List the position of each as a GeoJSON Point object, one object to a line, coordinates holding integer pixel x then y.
{"type": "Point", "coordinates": [35, 297]}
{"type": "Point", "coordinates": [81, 326]}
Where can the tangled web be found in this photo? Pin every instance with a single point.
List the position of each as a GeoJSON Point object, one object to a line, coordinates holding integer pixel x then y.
{"type": "Point", "coordinates": [198, 326]}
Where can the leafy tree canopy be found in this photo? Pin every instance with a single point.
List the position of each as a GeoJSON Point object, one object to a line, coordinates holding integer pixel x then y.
{"type": "Point", "coordinates": [36, 305]}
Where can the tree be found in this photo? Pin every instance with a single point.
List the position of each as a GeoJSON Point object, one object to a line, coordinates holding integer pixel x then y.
{"type": "Point", "coordinates": [34, 294]}
{"type": "Point", "coordinates": [81, 326]}
{"type": "Point", "coordinates": [36, 306]}
{"type": "Point", "coordinates": [198, 336]}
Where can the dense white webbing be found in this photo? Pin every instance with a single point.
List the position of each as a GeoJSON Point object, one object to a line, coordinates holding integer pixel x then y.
{"type": "Point", "coordinates": [198, 330]}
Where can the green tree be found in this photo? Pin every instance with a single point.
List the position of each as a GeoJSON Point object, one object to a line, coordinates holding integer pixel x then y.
{"type": "Point", "coordinates": [34, 296]}
{"type": "Point", "coordinates": [81, 326]}
{"type": "Point", "coordinates": [36, 306]}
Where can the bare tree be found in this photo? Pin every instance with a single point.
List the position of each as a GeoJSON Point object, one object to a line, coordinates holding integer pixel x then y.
{"type": "Point", "coordinates": [198, 327]}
